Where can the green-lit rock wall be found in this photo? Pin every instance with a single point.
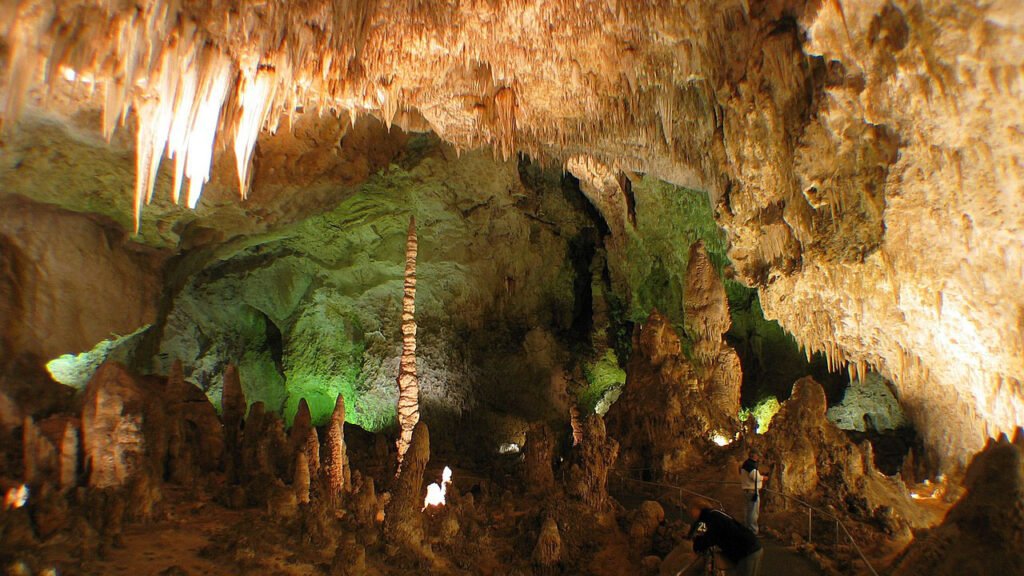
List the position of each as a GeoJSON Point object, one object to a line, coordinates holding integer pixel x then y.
{"type": "Point", "coordinates": [312, 310]}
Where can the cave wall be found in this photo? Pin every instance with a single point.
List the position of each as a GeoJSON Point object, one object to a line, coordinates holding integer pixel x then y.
{"type": "Point", "coordinates": [312, 310]}
{"type": "Point", "coordinates": [69, 280]}
{"type": "Point", "coordinates": [935, 302]}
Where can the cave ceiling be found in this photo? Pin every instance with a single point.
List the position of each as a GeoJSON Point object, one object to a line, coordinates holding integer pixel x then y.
{"type": "Point", "coordinates": [865, 158]}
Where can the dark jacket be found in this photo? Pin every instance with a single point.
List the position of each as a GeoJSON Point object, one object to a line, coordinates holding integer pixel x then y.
{"type": "Point", "coordinates": [749, 466]}
{"type": "Point", "coordinates": [720, 529]}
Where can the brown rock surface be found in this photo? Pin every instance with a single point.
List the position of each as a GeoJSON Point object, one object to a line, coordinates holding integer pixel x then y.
{"type": "Point", "coordinates": [982, 533]}
{"type": "Point", "coordinates": [73, 280]}
{"type": "Point", "coordinates": [667, 413]}
{"type": "Point", "coordinates": [113, 418]}
{"type": "Point", "coordinates": [403, 521]}
{"type": "Point", "coordinates": [807, 448]}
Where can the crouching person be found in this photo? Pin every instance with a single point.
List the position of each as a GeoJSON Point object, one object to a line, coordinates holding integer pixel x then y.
{"type": "Point", "coordinates": [714, 528]}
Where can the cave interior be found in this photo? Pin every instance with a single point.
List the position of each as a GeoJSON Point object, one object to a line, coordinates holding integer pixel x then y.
{"type": "Point", "coordinates": [351, 287]}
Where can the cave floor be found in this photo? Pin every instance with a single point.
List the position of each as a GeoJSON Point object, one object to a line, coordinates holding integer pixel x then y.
{"type": "Point", "coordinates": [196, 535]}
{"type": "Point", "coordinates": [191, 533]}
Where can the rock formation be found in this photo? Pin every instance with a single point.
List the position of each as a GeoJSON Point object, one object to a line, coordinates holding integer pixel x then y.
{"type": "Point", "coordinates": [982, 533]}
{"type": "Point", "coordinates": [301, 425]}
{"type": "Point", "coordinates": [233, 409]}
{"type": "Point", "coordinates": [548, 551]}
{"type": "Point", "coordinates": [113, 417]}
{"type": "Point", "coordinates": [593, 459]}
{"type": "Point", "coordinates": [196, 436]}
{"type": "Point", "coordinates": [864, 159]}
{"type": "Point", "coordinates": [808, 449]}
{"type": "Point", "coordinates": [302, 476]}
{"type": "Point", "coordinates": [706, 320]}
{"type": "Point", "coordinates": [667, 413]}
{"type": "Point", "coordinates": [649, 516]}
{"type": "Point", "coordinates": [408, 384]}
{"type": "Point", "coordinates": [403, 522]}
{"type": "Point", "coordinates": [538, 458]}
{"type": "Point", "coordinates": [336, 469]}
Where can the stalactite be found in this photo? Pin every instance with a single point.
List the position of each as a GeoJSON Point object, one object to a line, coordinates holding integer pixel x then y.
{"type": "Point", "coordinates": [408, 384]}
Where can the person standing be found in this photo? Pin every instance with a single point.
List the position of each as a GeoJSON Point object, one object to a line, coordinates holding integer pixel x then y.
{"type": "Point", "coordinates": [751, 481]}
{"type": "Point", "coordinates": [738, 544]}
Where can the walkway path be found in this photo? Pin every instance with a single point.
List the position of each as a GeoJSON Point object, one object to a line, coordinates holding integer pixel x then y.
{"type": "Point", "coordinates": [777, 560]}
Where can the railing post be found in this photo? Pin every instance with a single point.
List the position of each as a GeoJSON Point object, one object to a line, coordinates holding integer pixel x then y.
{"type": "Point", "coordinates": [810, 523]}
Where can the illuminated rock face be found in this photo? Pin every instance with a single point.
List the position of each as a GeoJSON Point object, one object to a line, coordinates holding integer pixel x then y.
{"type": "Point", "coordinates": [864, 156]}
{"type": "Point", "coordinates": [936, 304]}
{"type": "Point", "coordinates": [807, 449]}
{"type": "Point", "coordinates": [671, 408]}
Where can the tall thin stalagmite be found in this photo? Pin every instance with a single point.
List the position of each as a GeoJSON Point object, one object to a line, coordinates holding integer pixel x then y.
{"type": "Point", "coordinates": [408, 384]}
{"type": "Point", "coordinates": [335, 459]}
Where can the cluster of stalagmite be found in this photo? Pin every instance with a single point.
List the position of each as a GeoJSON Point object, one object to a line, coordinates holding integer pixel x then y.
{"type": "Point", "coordinates": [670, 408]}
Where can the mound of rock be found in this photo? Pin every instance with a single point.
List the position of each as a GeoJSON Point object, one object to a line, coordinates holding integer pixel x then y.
{"type": "Point", "coordinates": [984, 531]}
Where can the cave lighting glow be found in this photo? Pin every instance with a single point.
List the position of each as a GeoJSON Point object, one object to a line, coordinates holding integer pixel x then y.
{"type": "Point", "coordinates": [75, 370]}
{"type": "Point", "coordinates": [16, 497]}
{"type": "Point", "coordinates": [436, 492]}
{"type": "Point", "coordinates": [509, 448]}
{"type": "Point", "coordinates": [721, 439]}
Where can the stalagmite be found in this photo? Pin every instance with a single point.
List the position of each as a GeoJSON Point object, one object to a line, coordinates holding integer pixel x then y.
{"type": "Point", "coordinates": [408, 384]}
{"type": "Point", "coordinates": [39, 453]}
{"type": "Point", "coordinates": [336, 471]}
{"type": "Point", "coordinates": [594, 458]}
{"type": "Point", "coordinates": [302, 475]}
{"type": "Point", "coordinates": [312, 451]}
{"type": "Point", "coordinates": [575, 424]}
{"type": "Point", "coordinates": [548, 551]}
{"type": "Point", "coordinates": [641, 531]}
{"type": "Point", "coordinates": [538, 456]}
{"type": "Point", "coordinates": [670, 409]}
{"type": "Point", "coordinates": [67, 463]}
{"type": "Point", "coordinates": [706, 306]}
{"type": "Point", "coordinates": [233, 408]}
{"type": "Point", "coordinates": [232, 404]}
{"type": "Point", "coordinates": [112, 427]}
{"type": "Point", "coordinates": [403, 522]}
{"type": "Point", "coordinates": [301, 426]}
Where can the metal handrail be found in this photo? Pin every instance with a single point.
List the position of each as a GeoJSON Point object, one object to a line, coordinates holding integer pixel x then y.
{"type": "Point", "coordinates": [810, 508]}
